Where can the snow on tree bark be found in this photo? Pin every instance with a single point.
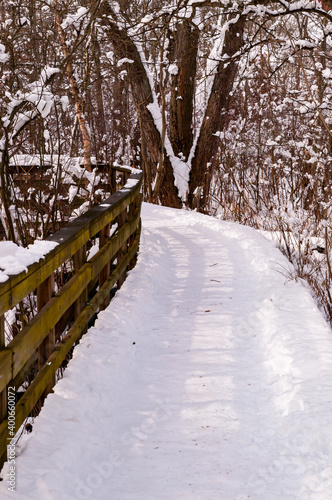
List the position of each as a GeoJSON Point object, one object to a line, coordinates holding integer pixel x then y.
{"type": "Point", "coordinates": [216, 112]}
{"type": "Point", "coordinates": [186, 38]}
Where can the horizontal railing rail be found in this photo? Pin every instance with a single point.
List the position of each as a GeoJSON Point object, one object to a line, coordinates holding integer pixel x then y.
{"type": "Point", "coordinates": [63, 314]}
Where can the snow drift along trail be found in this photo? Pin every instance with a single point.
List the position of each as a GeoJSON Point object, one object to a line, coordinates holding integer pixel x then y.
{"type": "Point", "coordinates": [208, 377]}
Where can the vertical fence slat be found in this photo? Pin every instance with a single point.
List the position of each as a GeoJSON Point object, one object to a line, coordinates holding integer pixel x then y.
{"type": "Point", "coordinates": [104, 236]}
{"type": "Point", "coordinates": [112, 180]}
{"type": "Point", "coordinates": [3, 394]}
{"type": "Point", "coordinates": [132, 210]}
{"type": "Point", "coordinates": [122, 217]}
{"type": "Point", "coordinates": [79, 259]}
{"type": "Point", "coordinates": [45, 292]}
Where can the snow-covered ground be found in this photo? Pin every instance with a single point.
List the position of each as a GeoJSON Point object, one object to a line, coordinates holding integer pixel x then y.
{"type": "Point", "coordinates": [209, 377]}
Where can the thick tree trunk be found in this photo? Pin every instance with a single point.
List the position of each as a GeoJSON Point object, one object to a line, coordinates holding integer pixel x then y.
{"type": "Point", "coordinates": [100, 122]}
{"type": "Point", "coordinates": [183, 87]}
{"type": "Point", "coordinates": [216, 115]}
{"type": "Point", "coordinates": [142, 97]}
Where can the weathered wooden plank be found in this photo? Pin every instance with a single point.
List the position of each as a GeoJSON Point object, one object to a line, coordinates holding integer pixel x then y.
{"type": "Point", "coordinates": [104, 237]}
{"type": "Point", "coordinates": [24, 372]}
{"type": "Point", "coordinates": [98, 224]}
{"type": "Point", "coordinates": [6, 359]}
{"type": "Point", "coordinates": [79, 259]}
{"type": "Point", "coordinates": [3, 393]}
{"type": "Point", "coordinates": [2, 332]}
{"type": "Point", "coordinates": [134, 208]}
{"type": "Point", "coordinates": [44, 294]}
{"type": "Point", "coordinates": [123, 249]}
{"type": "Point", "coordinates": [3, 439]}
{"type": "Point", "coordinates": [3, 405]}
{"type": "Point", "coordinates": [121, 169]}
{"type": "Point", "coordinates": [109, 251]}
{"type": "Point", "coordinates": [112, 180]}
{"type": "Point", "coordinates": [137, 235]}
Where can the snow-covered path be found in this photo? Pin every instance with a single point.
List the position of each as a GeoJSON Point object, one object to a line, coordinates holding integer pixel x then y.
{"type": "Point", "coordinates": [209, 377]}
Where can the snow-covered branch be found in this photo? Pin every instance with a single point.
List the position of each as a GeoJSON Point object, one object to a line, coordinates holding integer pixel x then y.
{"type": "Point", "coordinates": [38, 94]}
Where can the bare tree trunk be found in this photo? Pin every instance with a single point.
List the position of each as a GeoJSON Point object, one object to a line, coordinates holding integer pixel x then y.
{"type": "Point", "coordinates": [160, 167]}
{"type": "Point", "coordinates": [216, 114]}
{"type": "Point", "coordinates": [183, 87]}
{"type": "Point", "coordinates": [74, 89]}
{"type": "Point", "coordinates": [146, 165]}
{"type": "Point", "coordinates": [101, 125]}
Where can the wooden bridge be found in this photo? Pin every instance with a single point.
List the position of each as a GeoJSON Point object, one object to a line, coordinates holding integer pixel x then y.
{"type": "Point", "coordinates": [64, 310]}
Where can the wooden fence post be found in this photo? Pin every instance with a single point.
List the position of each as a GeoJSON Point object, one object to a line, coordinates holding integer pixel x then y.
{"type": "Point", "coordinates": [79, 259]}
{"type": "Point", "coordinates": [3, 394]}
{"type": "Point", "coordinates": [132, 210]}
{"type": "Point", "coordinates": [45, 292]}
{"type": "Point", "coordinates": [126, 177]}
{"type": "Point", "coordinates": [112, 179]}
{"type": "Point", "coordinates": [122, 217]}
{"type": "Point", "coordinates": [104, 236]}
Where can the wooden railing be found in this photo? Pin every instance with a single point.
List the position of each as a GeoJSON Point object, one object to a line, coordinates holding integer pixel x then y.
{"type": "Point", "coordinates": [62, 316]}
